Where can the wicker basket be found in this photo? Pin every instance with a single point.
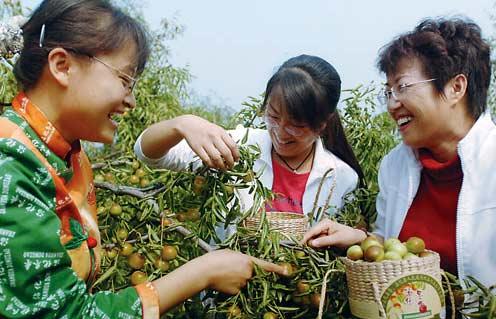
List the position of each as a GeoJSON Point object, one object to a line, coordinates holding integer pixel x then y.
{"type": "Point", "coordinates": [291, 224]}
{"type": "Point", "coordinates": [369, 282]}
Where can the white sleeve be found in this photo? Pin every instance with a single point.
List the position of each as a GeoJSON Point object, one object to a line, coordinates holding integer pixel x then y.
{"type": "Point", "coordinates": [380, 205]}
{"type": "Point", "coordinates": [177, 158]}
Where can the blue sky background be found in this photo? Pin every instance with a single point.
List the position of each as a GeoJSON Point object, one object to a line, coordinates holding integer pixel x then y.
{"type": "Point", "coordinates": [232, 47]}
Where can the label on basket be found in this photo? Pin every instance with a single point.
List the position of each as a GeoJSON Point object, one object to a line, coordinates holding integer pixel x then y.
{"type": "Point", "coordinates": [413, 296]}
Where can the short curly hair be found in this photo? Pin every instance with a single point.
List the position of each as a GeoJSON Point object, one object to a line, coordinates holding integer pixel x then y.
{"type": "Point", "coordinates": [446, 48]}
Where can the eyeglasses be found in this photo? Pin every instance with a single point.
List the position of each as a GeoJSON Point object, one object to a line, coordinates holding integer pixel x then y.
{"type": "Point", "coordinates": [273, 122]}
{"type": "Point", "coordinates": [399, 93]}
{"type": "Point", "coordinates": [128, 81]}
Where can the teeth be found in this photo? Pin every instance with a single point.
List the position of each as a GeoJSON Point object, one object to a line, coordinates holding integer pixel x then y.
{"type": "Point", "coordinates": [403, 120]}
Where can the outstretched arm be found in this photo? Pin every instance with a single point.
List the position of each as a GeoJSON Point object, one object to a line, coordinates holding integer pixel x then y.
{"type": "Point", "coordinates": [209, 141]}
{"type": "Point", "coordinates": [224, 270]}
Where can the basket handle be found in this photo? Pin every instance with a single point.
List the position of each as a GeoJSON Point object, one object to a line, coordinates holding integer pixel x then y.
{"type": "Point", "coordinates": [323, 292]}
{"type": "Point", "coordinates": [450, 293]}
{"type": "Point", "coordinates": [382, 312]}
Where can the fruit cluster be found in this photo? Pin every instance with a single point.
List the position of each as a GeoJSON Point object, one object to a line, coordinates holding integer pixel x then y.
{"type": "Point", "coordinates": [372, 250]}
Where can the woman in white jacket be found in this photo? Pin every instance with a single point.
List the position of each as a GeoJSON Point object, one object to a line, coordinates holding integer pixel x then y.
{"type": "Point", "coordinates": [439, 184]}
{"type": "Point", "coordinates": [303, 140]}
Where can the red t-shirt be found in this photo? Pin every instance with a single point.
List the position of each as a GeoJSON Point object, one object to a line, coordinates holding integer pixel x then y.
{"type": "Point", "coordinates": [432, 215]}
{"type": "Point", "coordinates": [288, 187]}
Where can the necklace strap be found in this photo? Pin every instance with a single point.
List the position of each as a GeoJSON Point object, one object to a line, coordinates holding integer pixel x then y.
{"type": "Point", "coordinates": [301, 163]}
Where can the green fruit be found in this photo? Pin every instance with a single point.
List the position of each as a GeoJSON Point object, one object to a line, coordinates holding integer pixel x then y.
{"type": "Point", "coordinates": [136, 261]}
{"type": "Point", "coordinates": [425, 253]}
{"type": "Point", "coordinates": [368, 242]}
{"type": "Point", "coordinates": [354, 252]}
{"type": "Point", "coordinates": [112, 253]}
{"type": "Point", "coordinates": [392, 255]}
{"type": "Point", "coordinates": [138, 277]}
{"type": "Point", "coordinates": [109, 177]}
{"type": "Point", "coordinates": [169, 252]}
{"type": "Point", "coordinates": [289, 269]}
{"type": "Point", "coordinates": [300, 254]}
{"type": "Point", "coordinates": [249, 176]}
{"type": "Point", "coordinates": [302, 287]}
{"type": "Point", "coordinates": [398, 248]}
{"type": "Point", "coordinates": [270, 315]}
{"type": "Point", "coordinates": [198, 184]}
{"type": "Point", "coordinates": [133, 179]}
{"type": "Point", "coordinates": [390, 241]}
{"type": "Point", "coordinates": [234, 312]}
{"type": "Point", "coordinates": [160, 264]}
{"type": "Point", "coordinates": [415, 245]}
{"type": "Point", "coordinates": [135, 165]}
{"type": "Point", "coordinates": [140, 173]}
{"type": "Point", "coordinates": [193, 214]}
{"type": "Point", "coordinates": [374, 254]}
{"type": "Point", "coordinates": [122, 233]}
{"type": "Point", "coordinates": [126, 249]}
{"type": "Point", "coordinates": [144, 182]}
{"type": "Point", "coordinates": [115, 209]}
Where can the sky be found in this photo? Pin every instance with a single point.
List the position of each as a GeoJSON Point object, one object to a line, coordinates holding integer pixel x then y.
{"type": "Point", "coordinates": [233, 47]}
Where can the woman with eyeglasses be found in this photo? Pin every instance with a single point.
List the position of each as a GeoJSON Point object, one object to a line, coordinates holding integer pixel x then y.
{"type": "Point", "coordinates": [438, 184]}
{"type": "Point", "coordinates": [76, 71]}
{"type": "Point", "coordinates": [304, 139]}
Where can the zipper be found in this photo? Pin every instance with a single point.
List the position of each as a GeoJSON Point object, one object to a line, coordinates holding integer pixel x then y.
{"type": "Point", "coordinates": [458, 220]}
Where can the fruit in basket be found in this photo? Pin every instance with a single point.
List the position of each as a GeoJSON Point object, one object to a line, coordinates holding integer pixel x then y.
{"type": "Point", "coordinates": [354, 252]}
{"type": "Point", "coordinates": [370, 241]}
{"type": "Point", "coordinates": [425, 254]}
{"type": "Point", "coordinates": [415, 245]}
{"type": "Point", "coordinates": [374, 253]}
{"type": "Point", "coordinates": [392, 255]}
{"type": "Point", "coordinates": [390, 242]}
{"type": "Point", "coordinates": [398, 248]}
{"type": "Point", "coordinates": [409, 255]}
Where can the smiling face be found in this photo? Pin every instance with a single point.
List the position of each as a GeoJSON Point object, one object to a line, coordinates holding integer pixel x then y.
{"type": "Point", "coordinates": [422, 114]}
{"type": "Point", "coordinates": [96, 93]}
{"type": "Point", "coordinates": [285, 144]}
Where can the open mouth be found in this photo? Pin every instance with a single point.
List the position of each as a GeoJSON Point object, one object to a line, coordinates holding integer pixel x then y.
{"type": "Point", "coordinates": [113, 117]}
{"type": "Point", "coordinates": [403, 121]}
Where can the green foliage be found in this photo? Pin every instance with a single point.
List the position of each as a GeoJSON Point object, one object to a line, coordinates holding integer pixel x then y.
{"type": "Point", "coordinates": [372, 135]}
{"type": "Point", "coordinates": [8, 86]}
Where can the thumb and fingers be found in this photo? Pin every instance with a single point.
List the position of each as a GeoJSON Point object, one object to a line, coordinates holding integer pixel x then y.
{"type": "Point", "coordinates": [268, 266]}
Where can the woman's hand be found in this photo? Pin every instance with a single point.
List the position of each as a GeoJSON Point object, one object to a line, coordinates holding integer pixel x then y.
{"type": "Point", "coordinates": [210, 142]}
{"type": "Point", "coordinates": [228, 271]}
{"type": "Point", "coordinates": [330, 233]}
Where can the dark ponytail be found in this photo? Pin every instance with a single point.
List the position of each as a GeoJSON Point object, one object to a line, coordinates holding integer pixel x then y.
{"type": "Point", "coordinates": [335, 141]}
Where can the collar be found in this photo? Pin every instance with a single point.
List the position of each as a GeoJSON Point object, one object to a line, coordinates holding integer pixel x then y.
{"type": "Point", "coordinates": [40, 124]}
{"type": "Point", "coordinates": [469, 146]}
{"type": "Point", "coordinates": [447, 171]}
